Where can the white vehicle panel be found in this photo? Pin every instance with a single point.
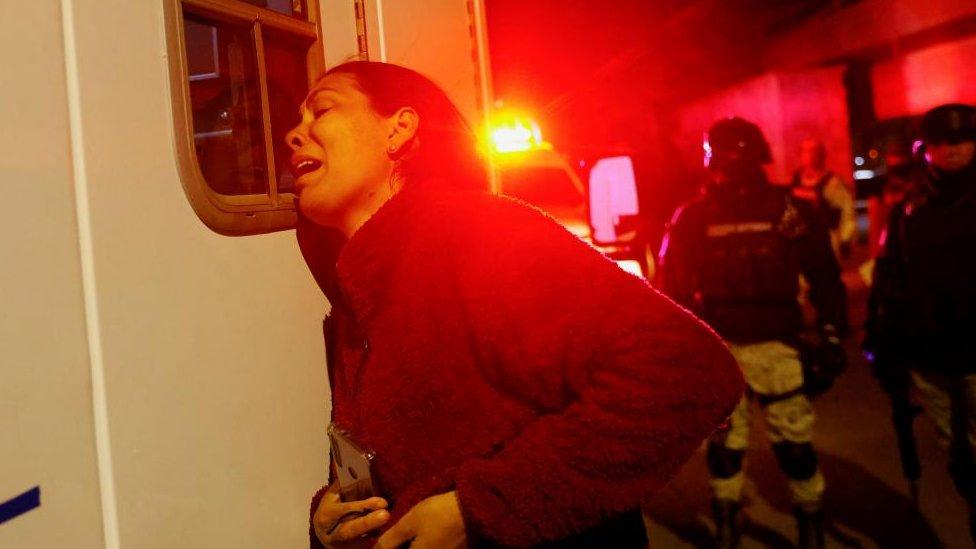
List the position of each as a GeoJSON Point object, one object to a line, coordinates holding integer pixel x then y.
{"type": "Point", "coordinates": [205, 423]}
{"type": "Point", "coordinates": [47, 431]}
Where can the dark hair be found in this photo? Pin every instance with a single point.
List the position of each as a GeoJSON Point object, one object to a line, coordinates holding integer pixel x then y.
{"type": "Point", "coordinates": [446, 150]}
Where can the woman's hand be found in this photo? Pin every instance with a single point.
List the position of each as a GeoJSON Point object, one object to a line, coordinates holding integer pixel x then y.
{"type": "Point", "coordinates": [349, 533]}
{"type": "Point", "coordinates": [434, 523]}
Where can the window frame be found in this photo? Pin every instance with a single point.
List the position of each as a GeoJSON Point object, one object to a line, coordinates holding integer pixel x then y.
{"type": "Point", "coordinates": [235, 215]}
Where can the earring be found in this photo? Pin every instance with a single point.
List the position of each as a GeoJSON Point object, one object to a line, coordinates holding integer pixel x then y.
{"type": "Point", "coordinates": [394, 181]}
{"type": "Point", "coordinates": [392, 148]}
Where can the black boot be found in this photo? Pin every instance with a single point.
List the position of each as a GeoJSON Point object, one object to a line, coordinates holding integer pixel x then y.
{"type": "Point", "coordinates": [810, 528]}
{"type": "Point", "coordinates": [726, 523]}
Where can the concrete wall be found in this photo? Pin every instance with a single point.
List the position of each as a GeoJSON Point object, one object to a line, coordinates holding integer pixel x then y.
{"type": "Point", "coordinates": [862, 27]}
{"type": "Point", "coordinates": [913, 83]}
{"type": "Point", "coordinates": [814, 104]}
{"type": "Point", "coordinates": [789, 107]}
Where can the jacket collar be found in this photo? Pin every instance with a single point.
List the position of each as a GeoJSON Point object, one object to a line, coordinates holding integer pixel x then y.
{"type": "Point", "coordinates": [366, 263]}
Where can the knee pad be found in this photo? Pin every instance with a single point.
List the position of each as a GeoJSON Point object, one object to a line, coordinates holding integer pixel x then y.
{"type": "Point", "coordinates": [797, 460]}
{"type": "Point", "coordinates": [723, 462]}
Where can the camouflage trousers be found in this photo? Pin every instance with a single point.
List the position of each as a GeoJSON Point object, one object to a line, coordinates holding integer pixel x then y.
{"type": "Point", "coordinates": [774, 375]}
{"type": "Point", "coordinates": [951, 403]}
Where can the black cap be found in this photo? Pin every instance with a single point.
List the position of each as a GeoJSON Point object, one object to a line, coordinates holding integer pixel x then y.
{"type": "Point", "coordinates": [952, 123]}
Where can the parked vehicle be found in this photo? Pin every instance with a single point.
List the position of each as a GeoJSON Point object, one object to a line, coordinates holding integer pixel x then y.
{"type": "Point", "coordinates": [603, 212]}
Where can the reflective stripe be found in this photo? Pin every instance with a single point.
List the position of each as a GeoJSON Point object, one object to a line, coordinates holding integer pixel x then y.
{"type": "Point", "coordinates": [715, 231]}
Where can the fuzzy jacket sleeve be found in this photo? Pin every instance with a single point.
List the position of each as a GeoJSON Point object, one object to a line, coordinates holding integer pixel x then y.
{"type": "Point", "coordinates": [626, 383]}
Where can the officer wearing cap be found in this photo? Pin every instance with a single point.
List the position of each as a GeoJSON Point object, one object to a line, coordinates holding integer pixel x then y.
{"type": "Point", "coordinates": [922, 311]}
{"type": "Point", "coordinates": [733, 256]}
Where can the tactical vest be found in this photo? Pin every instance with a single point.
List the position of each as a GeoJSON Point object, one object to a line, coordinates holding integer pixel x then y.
{"type": "Point", "coordinates": [750, 270]}
{"type": "Point", "coordinates": [746, 256]}
{"type": "Point", "coordinates": [815, 196]}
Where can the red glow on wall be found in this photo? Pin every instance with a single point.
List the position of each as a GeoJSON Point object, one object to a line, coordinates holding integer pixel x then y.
{"type": "Point", "coordinates": [789, 107]}
{"type": "Point", "coordinates": [913, 83]}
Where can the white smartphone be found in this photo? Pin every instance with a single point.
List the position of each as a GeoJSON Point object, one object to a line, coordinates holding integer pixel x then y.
{"type": "Point", "coordinates": [353, 466]}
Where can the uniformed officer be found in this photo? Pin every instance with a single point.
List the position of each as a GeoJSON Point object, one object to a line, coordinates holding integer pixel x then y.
{"type": "Point", "coordinates": [827, 194]}
{"type": "Point", "coordinates": [733, 256]}
{"type": "Point", "coordinates": [922, 312]}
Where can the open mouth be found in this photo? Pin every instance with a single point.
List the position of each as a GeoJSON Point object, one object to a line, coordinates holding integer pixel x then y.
{"type": "Point", "coordinates": [305, 166]}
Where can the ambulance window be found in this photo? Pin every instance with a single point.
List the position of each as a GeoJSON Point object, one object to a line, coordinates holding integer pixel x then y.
{"type": "Point", "coordinates": [239, 70]}
{"type": "Point", "coordinates": [287, 7]}
{"type": "Point", "coordinates": [227, 128]}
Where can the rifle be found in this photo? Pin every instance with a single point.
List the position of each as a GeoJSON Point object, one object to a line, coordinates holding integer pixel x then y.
{"type": "Point", "coordinates": [896, 382]}
{"type": "Point", "coordinates": [903, 414]}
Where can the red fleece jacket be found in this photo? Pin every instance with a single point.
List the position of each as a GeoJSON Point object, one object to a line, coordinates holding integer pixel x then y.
{"type": "Point", "coordinates": [482, 348]}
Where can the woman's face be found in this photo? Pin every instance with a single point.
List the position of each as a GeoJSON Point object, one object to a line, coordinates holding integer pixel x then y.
{"type": "Point", "coordinates": [339, 157]}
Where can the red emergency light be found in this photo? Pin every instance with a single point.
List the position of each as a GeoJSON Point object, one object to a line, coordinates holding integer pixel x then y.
{"type": "Point", "coordinates": [512, 133]}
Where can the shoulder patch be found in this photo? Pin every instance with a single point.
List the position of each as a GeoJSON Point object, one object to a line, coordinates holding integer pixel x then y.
{"type": "Point", "coordinates": [726, 229]}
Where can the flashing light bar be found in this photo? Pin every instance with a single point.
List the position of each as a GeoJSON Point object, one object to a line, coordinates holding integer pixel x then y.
{"type": "Point", "coordinates": [513, 133]}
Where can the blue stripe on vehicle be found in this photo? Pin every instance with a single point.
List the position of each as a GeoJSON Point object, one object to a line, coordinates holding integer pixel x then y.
{"type": "Point", "coordinates": [21, 504]}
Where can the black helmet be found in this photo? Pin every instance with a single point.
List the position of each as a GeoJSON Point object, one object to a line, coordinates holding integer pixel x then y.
{"type": "Point", "coordinates": [952, 123]}
{"type": "Point", "coordinates": [734, 142]}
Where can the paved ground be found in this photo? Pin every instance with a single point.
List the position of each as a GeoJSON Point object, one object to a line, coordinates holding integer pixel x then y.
{"type": "Point", "coordinates": [867, 498]}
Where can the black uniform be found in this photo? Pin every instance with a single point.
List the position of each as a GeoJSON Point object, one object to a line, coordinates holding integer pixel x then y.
{"type": "Point", "coordinates": [734, 257]}
{"type": "Point", "coordinates": [922, 310]}
{"type": "Point", "coordinates": [924, 294]}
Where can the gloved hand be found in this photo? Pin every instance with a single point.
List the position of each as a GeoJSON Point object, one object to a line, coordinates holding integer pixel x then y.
{"type": "Point", "coordinates": [824, 364]}
{"type": "Point", "coordinates": [891, 373]}
{"type": "Point", "coordinates": [832, 353]}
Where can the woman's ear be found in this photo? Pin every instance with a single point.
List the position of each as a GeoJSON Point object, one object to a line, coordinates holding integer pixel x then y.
{"type": "Point", "coordinates": [403, 129]}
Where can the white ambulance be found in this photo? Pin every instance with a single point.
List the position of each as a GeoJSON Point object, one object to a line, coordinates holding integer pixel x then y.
{"type": "Point", "coordinates": [603, 212]}
{"type": "Point", "coordinates": [162, 384]}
